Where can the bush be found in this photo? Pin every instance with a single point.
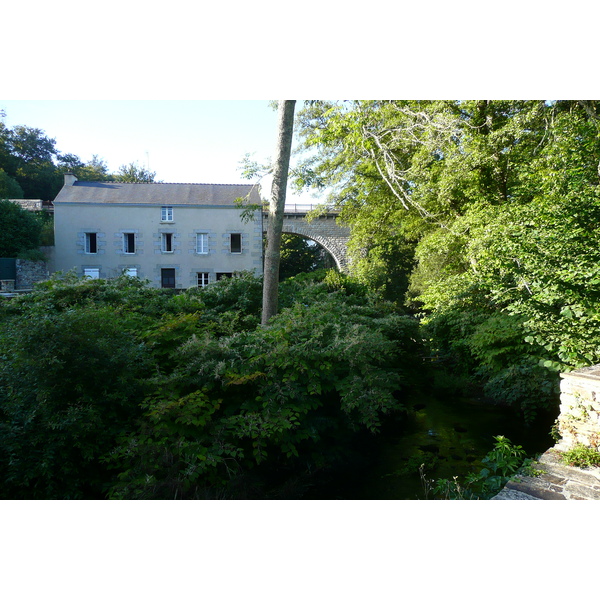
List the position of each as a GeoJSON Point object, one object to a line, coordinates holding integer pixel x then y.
{"type": "Point", "coordinates": [70, 383]}
{"type": "Point", "coordinates": [114, 388]}
{"type": "Point", "coordinates": [19, 229]}
{"type": "Point", "coordinates": [267, 400]}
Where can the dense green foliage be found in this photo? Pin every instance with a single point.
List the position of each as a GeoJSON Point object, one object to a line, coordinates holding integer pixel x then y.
{"type": "Point", "coordinates": [488, 210]}
{"type": "Point", "coordinates": [113, 389]}
{"type": "Point", "coordinates": [9, 187]}
{"type": "Point", "coordinates": [19, 229]}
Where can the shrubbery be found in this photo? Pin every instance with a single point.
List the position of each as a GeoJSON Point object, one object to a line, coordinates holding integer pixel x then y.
{"type": "Point", "coordinates": [114, 389]}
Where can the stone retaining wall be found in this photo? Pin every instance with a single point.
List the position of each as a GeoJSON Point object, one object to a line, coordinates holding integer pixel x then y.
{"type": "Point", "coordinates": [578, 423]}
{"type": "Point", "coordinates": [31, 205]}
{"type": "Point", "coordinates": [30, 272]}
{"type": "Point", "coordinates": [579, 420]}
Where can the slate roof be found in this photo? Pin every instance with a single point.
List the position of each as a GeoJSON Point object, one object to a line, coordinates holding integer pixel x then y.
{"type": "Point", "coordinates": [164, 194]}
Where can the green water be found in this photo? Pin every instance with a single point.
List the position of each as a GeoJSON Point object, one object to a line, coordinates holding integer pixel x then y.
{"type": "Point", "coordinates": [449, 436]}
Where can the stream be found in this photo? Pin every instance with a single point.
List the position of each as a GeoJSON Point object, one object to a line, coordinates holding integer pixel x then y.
{"type": "Point", "coordinates": [450, 436]}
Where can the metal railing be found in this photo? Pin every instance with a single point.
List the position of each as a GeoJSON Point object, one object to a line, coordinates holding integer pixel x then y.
{"type": "Point", "coordinates": [304, 208]}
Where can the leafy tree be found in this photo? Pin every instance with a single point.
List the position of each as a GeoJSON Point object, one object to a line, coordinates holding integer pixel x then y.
{"type": "Point", "coordinates": [496, 198]}
{"type": "Point", "coordinates": [31, 162]}
{"type": "Point", "coordinates": [19, 229]}
{"type": "Point", "coordinates": [9, 187]}
{"type": "Point", "coordinates": [133, 173]}
{"type": "Point", "coordinates": [411, 167]}
{"type": "Point", "coordinates": [94, 170]}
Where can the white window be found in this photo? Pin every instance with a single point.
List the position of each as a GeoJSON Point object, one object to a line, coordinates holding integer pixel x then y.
{"type": "Point", "coordinates": [130, 271]}
{"type": "Point", "coordinates": [91, 273]}
{"type": "Point", "coordinates": [202, 243]}
{"type": "Point", "coordinates": [235, 243]}
{"type": "Point", "coordinates": [166, 242]}
{"type": "Point", "coordinates": [91, 243]}
{"type": "Point", "coordinates": [129, 243]}
{"type": "Point", "coordinates": [166, 213]}
{"type": "Point", "coordinates": [202, 279]}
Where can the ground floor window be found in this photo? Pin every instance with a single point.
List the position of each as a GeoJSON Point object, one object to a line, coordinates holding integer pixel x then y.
{"type": "Point", "coordinates": [167, 278]}
{"type": "Point", "coordinates": [202, 279]}
{"type": "Point", "coordinates": [223, 275]}
{"type": "Point", "coordinates": [130, 271]}
{"type": "Point", "coordinates": [91, 273]}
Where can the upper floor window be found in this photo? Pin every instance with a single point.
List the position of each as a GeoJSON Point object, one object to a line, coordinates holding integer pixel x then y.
{"type": "Point", "coordinates": [166, 213]}
{"type": "Point", "coordinates": [166, 242]}
{"type": "Point", "coordinates": [202, 243]}
{"type": "Point", "coordinates": [235, 243]}
{"type": "Point", "coordinates": [129, 243]}
{"type": "Point", "coordinates": [91, 243]}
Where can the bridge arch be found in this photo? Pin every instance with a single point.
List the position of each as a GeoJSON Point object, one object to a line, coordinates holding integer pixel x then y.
{"type": "Point", "coordinates": [324, 230]}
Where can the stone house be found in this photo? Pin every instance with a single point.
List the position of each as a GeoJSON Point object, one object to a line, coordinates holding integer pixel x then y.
{"type": "Point", "coordinates": [177, 235]}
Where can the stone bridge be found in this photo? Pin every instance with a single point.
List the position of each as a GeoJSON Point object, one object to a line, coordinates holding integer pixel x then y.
{"type": "Point", "coordinates": [324, 230]}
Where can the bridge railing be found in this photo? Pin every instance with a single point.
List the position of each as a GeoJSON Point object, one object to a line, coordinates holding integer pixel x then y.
{"type": "Point", "coordinates": [302, 209]}
{"type": "Point", "coordinates": [299, 208]}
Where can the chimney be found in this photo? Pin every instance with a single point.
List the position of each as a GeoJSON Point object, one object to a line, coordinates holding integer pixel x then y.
{"type": "Point", "coordinates": [70, 179]}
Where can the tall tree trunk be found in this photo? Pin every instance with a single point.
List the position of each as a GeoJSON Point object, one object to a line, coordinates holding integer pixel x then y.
{"type": "Point", "coordinates": [285, 130]}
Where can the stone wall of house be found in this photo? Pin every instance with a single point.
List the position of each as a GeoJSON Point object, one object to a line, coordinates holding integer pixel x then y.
{"type": "Point", "coordinates": [579, 419]}
{"type": "Point", "coordinates": [30, 272]}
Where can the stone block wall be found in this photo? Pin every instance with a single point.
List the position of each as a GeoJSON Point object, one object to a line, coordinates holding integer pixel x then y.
{"type": "Point", "coordinates": [579, 419]}
{"type": "Point", "coordinates": [32, 205]}
{"type": "Point", "coordinates": [30, 272]}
